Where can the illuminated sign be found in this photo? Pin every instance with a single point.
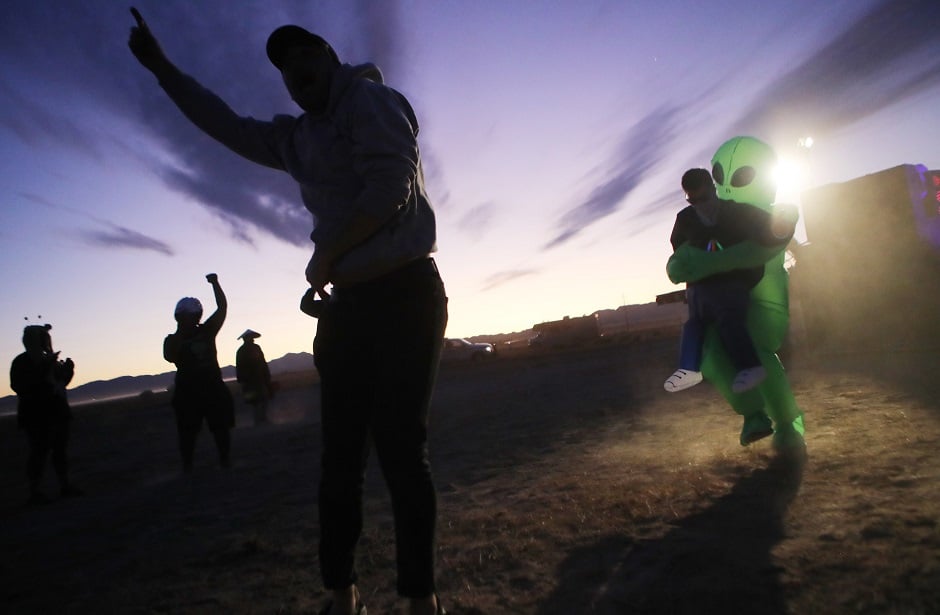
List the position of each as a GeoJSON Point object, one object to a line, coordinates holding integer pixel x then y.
{"type": "Point", "coordinates": [932, 198]}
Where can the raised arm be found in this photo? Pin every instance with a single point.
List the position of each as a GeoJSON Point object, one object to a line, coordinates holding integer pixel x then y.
{"type": "Point", "coordinates": [254, 139]}
{"type": "Point", "coordinates": [146, 49]}
{"type": "Point", "coordinates": [215, 321]}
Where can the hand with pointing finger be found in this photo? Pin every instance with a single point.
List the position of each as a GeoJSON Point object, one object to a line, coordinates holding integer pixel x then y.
{"type": "Point", "coordinates": [144, 45]}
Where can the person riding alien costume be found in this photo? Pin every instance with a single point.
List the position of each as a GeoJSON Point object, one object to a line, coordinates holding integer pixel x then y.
{"type": "Point", "coordinates": [743, 171]}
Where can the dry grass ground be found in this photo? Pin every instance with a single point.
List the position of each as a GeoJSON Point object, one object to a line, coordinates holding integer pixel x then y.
{"type": "Point", "coordinates": [569, 483]}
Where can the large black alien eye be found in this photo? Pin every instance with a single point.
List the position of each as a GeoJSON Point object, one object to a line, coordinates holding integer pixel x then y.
{"type": "Point", "coordinates": [743, 177]}
{"type": "Point", "coordinates": [718, 174]}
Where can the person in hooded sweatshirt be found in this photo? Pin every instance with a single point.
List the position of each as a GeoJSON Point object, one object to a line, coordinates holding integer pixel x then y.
{"type": "Point", "coordinates": [354, 154]}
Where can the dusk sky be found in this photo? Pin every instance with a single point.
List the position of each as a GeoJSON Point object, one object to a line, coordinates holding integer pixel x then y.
{"type": "Point", "coordinates": [553, 136]}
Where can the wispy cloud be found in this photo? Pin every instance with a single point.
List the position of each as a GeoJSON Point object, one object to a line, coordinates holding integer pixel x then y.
{"type": "Point", "coordinates": [35, 123]}
{"type": "Point", "coordinates": [108, 235]}
{"type": "Point", "coordinates": [378, 36]}
{"type": "Point", "coordinates": [881, 58]}
{"type": "Point", "coordinates": [503, 277]}
{"type": "Point", "coordinates": [41, 200]}
{"type": "Point", "coordinates": [121, 237]}
{"type": "Point", "coordinates": [267, 203]}
{"type": "Point", "coordinates": [640, 150]}
{"type": "Point", "coordinates": [478, 220]}
{"type": "Point", "coordinates": [666, 205]}
{"type": "Point", "coordinates": [887, 55]}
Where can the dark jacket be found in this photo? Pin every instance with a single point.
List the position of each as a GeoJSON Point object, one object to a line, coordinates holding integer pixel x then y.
{"type": "Point", "coordinates": [40, 390]}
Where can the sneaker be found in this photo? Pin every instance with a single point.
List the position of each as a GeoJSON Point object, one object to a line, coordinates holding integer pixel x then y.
{"type": "Point", "coordinates": [756, 427]}
{"type": "Point", "coordinates": [749, 378]}
{"type": "Point", "coordinates": [681, 380]}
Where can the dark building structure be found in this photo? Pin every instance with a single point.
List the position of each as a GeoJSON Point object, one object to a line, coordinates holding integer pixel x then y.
{"type": "Point", "coordinates": [867, 277]}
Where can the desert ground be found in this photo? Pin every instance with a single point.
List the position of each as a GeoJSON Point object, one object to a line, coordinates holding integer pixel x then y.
{"type": "Point", "coordinates": [569, 482]}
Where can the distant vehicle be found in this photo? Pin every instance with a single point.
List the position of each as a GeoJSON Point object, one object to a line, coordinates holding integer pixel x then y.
{"type": "Point", "coordinates": [458, 349]}
{"type": "Point", "coordinates": [565, 332]}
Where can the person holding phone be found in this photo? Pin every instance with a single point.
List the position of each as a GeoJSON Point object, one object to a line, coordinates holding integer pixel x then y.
{"type": "Point", "coordinates": [39, 379]}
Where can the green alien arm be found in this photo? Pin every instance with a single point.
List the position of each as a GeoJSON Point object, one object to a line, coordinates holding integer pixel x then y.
{"type": "Point", "coordinates": [689, 264]}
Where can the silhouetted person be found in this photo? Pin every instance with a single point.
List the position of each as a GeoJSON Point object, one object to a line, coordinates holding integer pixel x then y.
{"type": "Point", "coordinates": [39, 379]}
{"type": "Point", "coordinates": [199, 393]}
{"type": "Point", "coordinates": [355, 155]}
{"type": "Point", "coordinates": [252, 372]}
{"type": "Point", "coordinates": [711, 223]}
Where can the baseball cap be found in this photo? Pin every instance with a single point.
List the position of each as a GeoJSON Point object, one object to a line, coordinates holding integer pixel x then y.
{"type": "Point", "coordinates": [289, 36]}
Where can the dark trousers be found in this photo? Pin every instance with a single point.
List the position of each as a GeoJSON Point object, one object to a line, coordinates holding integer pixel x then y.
{"type": "Point", "coordinates": [377, 350]}
{"type": "Point", "coordinates": [187, 441]}
{"type": "Point", "coordinates": [723, 304]}
{"type": "Point", "coordinates": [208, 401]}
{"type": "Point", "coordinates": [44, 439]}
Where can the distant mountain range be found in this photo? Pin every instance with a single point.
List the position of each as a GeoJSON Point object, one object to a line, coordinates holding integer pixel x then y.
{"type": "Point", "coordinates": [134, 385]}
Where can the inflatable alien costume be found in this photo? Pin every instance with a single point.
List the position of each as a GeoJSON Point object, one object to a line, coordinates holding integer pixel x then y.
{"type": "Point", "coordinates": [742, 169]}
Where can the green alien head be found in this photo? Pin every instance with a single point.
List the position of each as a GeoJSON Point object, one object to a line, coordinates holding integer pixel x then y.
{"type": "Point", "coordinates": [743, 170]}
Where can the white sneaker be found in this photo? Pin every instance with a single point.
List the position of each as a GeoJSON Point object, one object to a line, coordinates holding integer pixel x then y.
{"type": "Point", "coordinates": [748, 378]}
{"type": "Point", "coordinates": [681, 380]}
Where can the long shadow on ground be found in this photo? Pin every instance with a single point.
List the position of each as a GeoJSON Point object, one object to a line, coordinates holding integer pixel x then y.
{"type": "Point", "coordinates": [715, 561]}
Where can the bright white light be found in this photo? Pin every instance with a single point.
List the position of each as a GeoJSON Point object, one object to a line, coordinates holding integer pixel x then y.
{"type": "Point", "coordinates": [789, 176]}
{"type": "Point", "coordinates": [788, 172]}
{"type": "Point", "coordinates": [806, 142]}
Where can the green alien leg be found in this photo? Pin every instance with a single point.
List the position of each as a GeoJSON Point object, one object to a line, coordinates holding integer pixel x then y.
{"type": "Point", "coordinates": [717, 369]}
{"type": "Point", "coordinates": [773, 400]}
{"type": "Point", "coordinates": [768, 326]}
